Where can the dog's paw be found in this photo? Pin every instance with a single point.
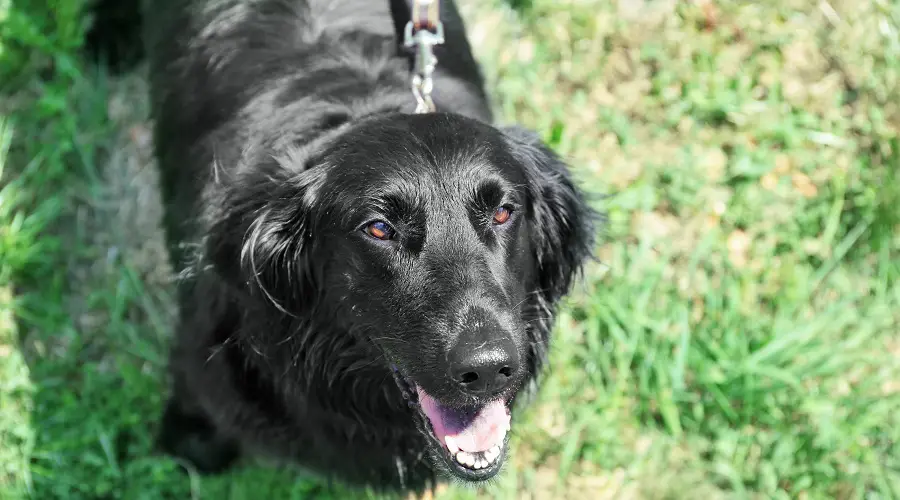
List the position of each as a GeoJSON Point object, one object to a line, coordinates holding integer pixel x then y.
{"type": "Point", "coordinates": [195, 441]}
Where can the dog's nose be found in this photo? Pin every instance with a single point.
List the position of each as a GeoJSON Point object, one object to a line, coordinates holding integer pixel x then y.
{"type": "Point", "coordinates": [484, 370]}
{"type": "Point", "coordinates": [484, 360]}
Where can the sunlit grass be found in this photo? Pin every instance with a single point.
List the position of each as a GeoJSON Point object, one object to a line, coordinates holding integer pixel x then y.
{"type": "Point", "coordinates": [738, 339]}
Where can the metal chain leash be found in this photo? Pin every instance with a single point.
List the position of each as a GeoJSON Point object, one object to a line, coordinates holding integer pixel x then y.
{"type": "Point", "coordinates": [423, 32]}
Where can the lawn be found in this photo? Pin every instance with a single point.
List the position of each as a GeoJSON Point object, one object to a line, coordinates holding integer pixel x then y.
{"type": "Point", "coordinates": [738, 336]}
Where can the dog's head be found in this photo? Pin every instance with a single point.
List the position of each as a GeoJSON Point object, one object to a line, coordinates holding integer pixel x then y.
{"type": "Point", "coordinates": [443, 241]}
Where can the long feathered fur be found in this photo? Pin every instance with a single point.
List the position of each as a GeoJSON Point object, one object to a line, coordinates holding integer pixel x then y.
{"type": "Point", "coordinates": [268, 113]}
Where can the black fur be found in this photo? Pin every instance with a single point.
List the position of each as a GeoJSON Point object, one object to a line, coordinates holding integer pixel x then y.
{"type": "Point", "coordinates": [282, 127]}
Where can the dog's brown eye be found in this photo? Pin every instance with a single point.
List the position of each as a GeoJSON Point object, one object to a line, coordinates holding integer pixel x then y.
{"type": "Point", "coordinates": [380, 230]}
{"type": "Point", "coordinates": [501, 215]}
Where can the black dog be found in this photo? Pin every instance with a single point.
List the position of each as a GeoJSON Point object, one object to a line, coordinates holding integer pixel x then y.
{"type": "Point", "coordinates": [365, 290]}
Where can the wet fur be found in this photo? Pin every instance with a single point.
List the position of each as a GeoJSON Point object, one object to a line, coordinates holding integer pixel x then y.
{"type": "Point", "coordinates": [260, 108]}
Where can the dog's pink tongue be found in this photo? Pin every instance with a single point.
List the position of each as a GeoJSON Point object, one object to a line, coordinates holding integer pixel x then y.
{"type": "Point", "coordinates": [473, 430]}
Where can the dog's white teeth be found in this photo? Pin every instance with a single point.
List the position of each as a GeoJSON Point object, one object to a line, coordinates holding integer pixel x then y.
{"type": "Point", "coordinates": [451, 445]}
{"type": "Point", "coordinates": [465, 458]}
{"type": "Point", "coordinates": [474, 460]}
{"type": "Point", "coordinates": [478, 460]}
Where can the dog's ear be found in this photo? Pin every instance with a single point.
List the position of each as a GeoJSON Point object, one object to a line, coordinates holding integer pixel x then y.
{"type": "Point", "coordinates": [261, 241]}
{"type": "Point", "coordinates": [564, 236]}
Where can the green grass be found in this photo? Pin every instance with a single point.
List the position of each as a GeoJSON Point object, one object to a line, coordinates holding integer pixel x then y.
{"type": "Point", "coordinates": [740, 337]}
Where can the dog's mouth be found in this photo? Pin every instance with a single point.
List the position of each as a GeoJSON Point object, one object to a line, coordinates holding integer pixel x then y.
{"type": "Point", "coordinates": [470, 441]}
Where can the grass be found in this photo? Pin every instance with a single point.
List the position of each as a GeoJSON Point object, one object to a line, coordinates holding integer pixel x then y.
{"type": "Point", "coordinates": [738, 339]}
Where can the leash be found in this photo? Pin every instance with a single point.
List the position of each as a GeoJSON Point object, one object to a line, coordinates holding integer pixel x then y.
{"type": "Point", "coordinates": [422, 32]}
